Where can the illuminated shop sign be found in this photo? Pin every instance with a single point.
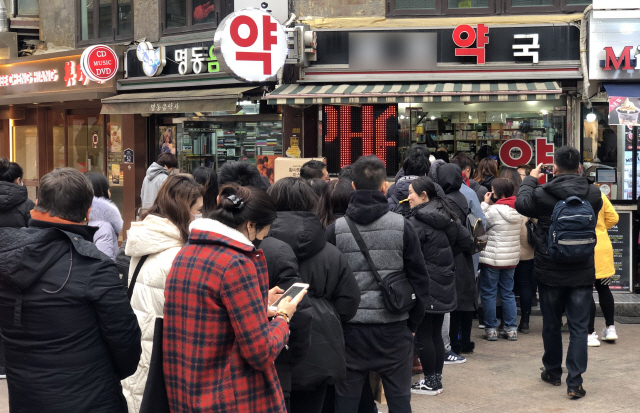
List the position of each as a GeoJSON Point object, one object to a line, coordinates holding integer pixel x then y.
{"type": "Point", "coordinates": [350, 132]}
{"type": "Point", "coordinates": [195, 59]}
{"type": "Point", "coordinates": [39, 76]}
{"type": "Point", "coordinates": [251, 45]}
{"type": "Point", "coordinates": [464, 36]}
{"type": "Point", "coordinates": [614, 49]}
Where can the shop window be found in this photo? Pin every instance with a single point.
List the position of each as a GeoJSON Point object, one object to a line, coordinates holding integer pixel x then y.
{"type": "Point", "coordinates": [104, 21]}
{"type": "Point", "coordinates": [28, 8]}
{"type": "Point", "coordinates": [86, 143]}
{"type": "Point", "coordinates": [115, 152]}
{"type": "Point", "coordinates": [484, 7]}
{"type": "Point", "coordinates": [191, 15]}
{"type": "Point", "coordinates": [25, 153]}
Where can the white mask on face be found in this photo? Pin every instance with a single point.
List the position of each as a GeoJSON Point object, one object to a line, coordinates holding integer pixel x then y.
{"type": "Point", "coordinates": [196, 216]}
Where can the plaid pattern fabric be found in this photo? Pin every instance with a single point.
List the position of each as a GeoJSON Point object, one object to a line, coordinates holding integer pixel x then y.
{"type": "Point", "coordinates": [219, 347]}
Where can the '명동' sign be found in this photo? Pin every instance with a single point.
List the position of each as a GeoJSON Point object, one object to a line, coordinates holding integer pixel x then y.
{"type": "Point", "coordinates": [251, 45]}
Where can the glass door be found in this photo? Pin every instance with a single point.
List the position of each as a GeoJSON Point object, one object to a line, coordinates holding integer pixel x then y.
{"type": "Point", "coordinates": [86, 142]}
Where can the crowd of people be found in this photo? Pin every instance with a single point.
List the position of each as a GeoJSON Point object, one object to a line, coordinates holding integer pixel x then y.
{"type": "Point", "coordinates": [196, 319]}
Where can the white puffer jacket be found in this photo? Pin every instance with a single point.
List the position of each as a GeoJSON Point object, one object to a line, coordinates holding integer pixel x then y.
{"type": "Point", "coordinates": [160, 239]}
{"type": "Point", "coordinates": [503, 228]}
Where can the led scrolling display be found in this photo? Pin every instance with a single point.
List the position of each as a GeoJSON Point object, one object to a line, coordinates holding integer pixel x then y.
{"type": "Point", "coordinates": [350, 132]}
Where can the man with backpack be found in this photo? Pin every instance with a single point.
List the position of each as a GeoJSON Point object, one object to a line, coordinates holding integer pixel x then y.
{"type": "Point", "coordinates": [567, 210]}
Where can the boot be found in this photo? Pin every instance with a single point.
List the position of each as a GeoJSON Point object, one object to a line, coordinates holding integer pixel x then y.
{"type": "Point", "coordinates": [417, 367]}
{"type": "Point", "coordinates": [523, 327]}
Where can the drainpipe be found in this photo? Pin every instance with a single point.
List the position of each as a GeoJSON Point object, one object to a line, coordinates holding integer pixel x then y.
{"type": "Point", "coordinates": [583, 56]}
{"type": "Point", "coordinates": [4, 23]}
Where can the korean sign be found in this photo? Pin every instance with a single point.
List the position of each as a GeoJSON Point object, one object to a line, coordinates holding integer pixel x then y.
{"type": "Point", "coordinates": [251, 45]}
{"type": "Point", "coordinates": [190, 59]}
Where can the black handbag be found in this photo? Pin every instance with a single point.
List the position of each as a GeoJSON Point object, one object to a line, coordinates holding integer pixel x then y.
{"type": "Point", "coordinates": [531, 233]}
{"type": "Point", "coordinates": [154, 398]}
{"type": "Point", "coordinates": [397, 292]}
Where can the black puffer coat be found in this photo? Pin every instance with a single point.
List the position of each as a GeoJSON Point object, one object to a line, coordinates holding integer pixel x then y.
{"type": "Point", "coordinates": [439, 237]}
{"type": "Point", "coordinates": [282, 266]}
{"type": "Point", "coordinates": [450, 178]}
{"type": "Point", "coordinates": [15, 206]}
{"type": "Point", "coordinates": [333, 293]}
{"type": "Point", "coordinates": [65, 351]}
{"type": "Point", "coordinates": [538, 201]}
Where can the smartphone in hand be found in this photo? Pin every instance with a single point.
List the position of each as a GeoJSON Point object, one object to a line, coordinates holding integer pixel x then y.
{"type": "Point", "coordinates": [292, 292]}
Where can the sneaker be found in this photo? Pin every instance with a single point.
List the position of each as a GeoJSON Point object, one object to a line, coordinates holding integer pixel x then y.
{"type": "Point", "coordinates": [510, 335]}
{"type": "Point", "coordinates": [439, 382]}
{"type": "Point", "coordinates": [576, 392]}
{"type": "Point", "coordinates": [609, 333]}
{"type": "Point", "coordinates": [453, 358]}
{"type": "Point", "coordinates": [481, 325]}
{"type": "Point", "coordinates": [421, 387]}
{"type": "Point", "coordinates": [546, 377]}
{"type": "Point", "coordinates": [593, 340]}
{"type": "Point", "coordinates": [467, 348]}
{"type": "Point", "coordinates": [490, 334]}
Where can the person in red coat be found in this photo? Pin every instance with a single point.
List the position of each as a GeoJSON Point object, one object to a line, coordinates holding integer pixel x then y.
{"type": "Point", "coordinates": [219, 345]}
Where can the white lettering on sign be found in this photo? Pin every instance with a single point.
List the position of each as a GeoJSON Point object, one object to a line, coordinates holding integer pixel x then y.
{"type": "Point", "coordinates": [527, 50]}
{"type": "Point", "coordinates": [26, 78]}
{"type": "Point", "coordinates": [251, 45]}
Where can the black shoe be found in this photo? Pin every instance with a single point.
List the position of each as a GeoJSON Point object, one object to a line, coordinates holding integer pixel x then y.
{"type": "Point", "coordinates": [468, 348]}
{"type": "Point", "coordinates": [576, 392]}
{"type": "Point", "coordinates": [523, 328]}
{"type": "Point", "coordinates": [546, 377]}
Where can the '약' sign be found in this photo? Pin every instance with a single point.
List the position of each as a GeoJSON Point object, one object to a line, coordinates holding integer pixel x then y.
{"type": "Point", "coordinates": [350, 132]}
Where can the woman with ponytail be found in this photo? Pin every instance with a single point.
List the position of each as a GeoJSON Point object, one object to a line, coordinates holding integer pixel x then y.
{"type": "Point", "coordinates": [219, 345]}
{"type": "Point", "coordinates": [441, 237]}
{"type": "Point", "coordinates": [15, 205]}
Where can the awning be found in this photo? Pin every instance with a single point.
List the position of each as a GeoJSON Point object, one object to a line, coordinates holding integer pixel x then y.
{"type": "Point", "coordinates": [413, 93]}
{"type": "Point", "coordinates": [631, 90]}
{"type": "Point", "coordinates": [183, 101]}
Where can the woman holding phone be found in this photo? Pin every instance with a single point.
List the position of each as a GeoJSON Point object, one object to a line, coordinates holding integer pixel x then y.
{"type": "Point", "coordinates": [219, 345]}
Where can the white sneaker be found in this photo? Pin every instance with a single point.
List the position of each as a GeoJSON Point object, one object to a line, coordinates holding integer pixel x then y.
{"type": "Point", "coordinates": [609, 333]}
{"type": "Point", "coordinates": [593, 340]}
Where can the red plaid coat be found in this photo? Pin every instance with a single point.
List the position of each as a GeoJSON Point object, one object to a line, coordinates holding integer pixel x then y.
{"type": "Point", "coordinates": [219, 346]}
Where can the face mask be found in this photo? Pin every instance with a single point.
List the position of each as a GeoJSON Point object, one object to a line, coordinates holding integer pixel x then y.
{"type": "Point", "coordinates": [196, 216]}
{"type": "Point", "coordinates": [494, 199]}
{"type": "Point", "coordinates": [256, 243]}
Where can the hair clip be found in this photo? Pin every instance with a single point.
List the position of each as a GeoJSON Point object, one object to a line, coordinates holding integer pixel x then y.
{"type": "Point", "coordinates": [237, 202]}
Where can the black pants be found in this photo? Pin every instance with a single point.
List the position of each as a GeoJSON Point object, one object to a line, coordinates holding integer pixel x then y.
{"type": "Point", "coordinates": [606, 303]}
{"type": "Point", "coordinates": [308, 401]}
{"type": "Point", "coordinates": [524, 285]}
{"type": "Point", "coordinates": [429, 335]}
{"type": "Point", "coordinates": [461, 321]}
{"type": "Point", "coordinates": [367, 401]}
{"type": "Point", "coordinates": [574, 302]}
{"type": "Point", "coordinates": [386, 349]}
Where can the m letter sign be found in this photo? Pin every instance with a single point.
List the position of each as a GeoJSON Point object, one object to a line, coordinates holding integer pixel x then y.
{"type": "Point", "coordinates": [251, 45]}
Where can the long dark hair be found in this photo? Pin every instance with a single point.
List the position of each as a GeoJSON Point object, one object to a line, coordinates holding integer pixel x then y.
{"type": "Point", "coordinates": [425, 184]}
{"type": "Point", "coordinates": [100, 184]}
{"type": "Point", "coordinates": [9, 171]}
{"type": "Point", "coordinates": [487, 167]}
{"type": "Point", "coordinates": [293, 194]}
{"type": "Point", "coordinates": [512, 175]}
{"type": "Point", "coordinates": [174, 201]}
{"type": "Point", "coordinates": [208, 178]}
{"type": "Point", "coordinates": [334, 201]}
{"type": "Point", "coordinates": [241, 204]}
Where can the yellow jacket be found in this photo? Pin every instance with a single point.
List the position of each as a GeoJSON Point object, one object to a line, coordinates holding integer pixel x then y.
{"type": "Point", "coordinates": [607, 218]}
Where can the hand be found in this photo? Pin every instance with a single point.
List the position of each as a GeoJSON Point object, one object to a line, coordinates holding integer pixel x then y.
{"type": "Point", "coordinates": [536, 172]}
{"type": "Point", "coordinates": [289, 306]}
{"type": "Point", "coordinates": [487, 198]}
{"type": "Point", "coordinates": [274, 294]}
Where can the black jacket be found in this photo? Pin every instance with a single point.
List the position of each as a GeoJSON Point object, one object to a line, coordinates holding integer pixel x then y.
{"type": "Point", "coordinates": [537, 201]}
{"type": "Point", "coordinates": [486, 182]}
{"type": "Point", "coordinates": [439, 237]}
{"type": "Point", "coordinates": [333, 293]}
{"type": "Point", "coordinates": [15, 206]}
{"type": "Point", "coordinates": [367, 206]}
{"type": "Point", "coordinates": [282, 266]}
{"type": "Point", "coordinates": [450, 179]}
{"type": "Point", "coordinates": [479, 189]}
{"type": "Point", "coordinates": [68, 330]}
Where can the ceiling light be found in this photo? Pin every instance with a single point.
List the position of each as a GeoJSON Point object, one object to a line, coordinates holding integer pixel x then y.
{"type": "Point", "coordinates": [544, 112]}
{"type": "Point", "coordinates": [433, 118]}
{"type": "Point", "coordinates": [591, 117]}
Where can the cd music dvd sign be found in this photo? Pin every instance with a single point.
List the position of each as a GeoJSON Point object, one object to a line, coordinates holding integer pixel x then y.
{"type": "Point", "coordinates": [99, 63]}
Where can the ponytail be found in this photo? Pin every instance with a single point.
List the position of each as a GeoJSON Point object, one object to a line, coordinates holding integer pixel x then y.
{"type": "Point", "coordinates": [239, 204]}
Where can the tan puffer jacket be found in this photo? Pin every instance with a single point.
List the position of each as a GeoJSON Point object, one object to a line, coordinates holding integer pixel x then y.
{"type": "Point", "coordinates": [503, 228]}
{"type": "Point", "coordinates": [160, 239]}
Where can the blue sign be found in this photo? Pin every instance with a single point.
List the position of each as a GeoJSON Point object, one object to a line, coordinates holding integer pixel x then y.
{"type": "Point", "coordinates": [128, 155]}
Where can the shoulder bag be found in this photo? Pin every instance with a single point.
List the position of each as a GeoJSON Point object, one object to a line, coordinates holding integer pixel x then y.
{"type": "Point", "coordinates": [397, 292]}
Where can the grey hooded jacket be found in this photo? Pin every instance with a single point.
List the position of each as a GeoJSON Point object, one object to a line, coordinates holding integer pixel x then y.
{"type": "Point", "coordinates": [105, 215]}
{"type": "Point", "coordinates": [156, 175]}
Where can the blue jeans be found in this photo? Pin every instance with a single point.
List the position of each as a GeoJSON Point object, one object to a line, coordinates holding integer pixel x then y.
{"type": "Point", "coordinates": [575, 303]}
{"type": "Point", "coordinates": [492, 280]}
